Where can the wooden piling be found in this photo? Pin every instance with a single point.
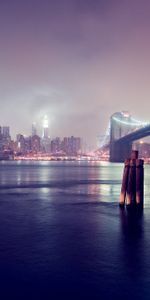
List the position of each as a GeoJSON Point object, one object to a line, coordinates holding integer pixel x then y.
{"type": "Point", "coordinates": [139, 182]}
{"type": "Point", "coordinates": [131, 186]}
{"type": "Point", "coordinates": [132, 189]}
{"type": "Point", "coordinates": [124, 183]}
{"type": "Point", "coordinates": [134, 154]}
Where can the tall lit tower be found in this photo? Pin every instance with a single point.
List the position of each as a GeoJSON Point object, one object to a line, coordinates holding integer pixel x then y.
{"type": "Point", "coordinates": [45, 127]}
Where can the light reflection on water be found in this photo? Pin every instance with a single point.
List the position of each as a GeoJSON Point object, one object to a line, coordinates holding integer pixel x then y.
{"type": "Point", "coordinates": [62, 233]}
{"type": "Point", "coordinates": [102, 180]}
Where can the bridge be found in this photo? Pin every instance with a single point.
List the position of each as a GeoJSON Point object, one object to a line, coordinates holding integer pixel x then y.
{"type": "Point", "coordinates": [122, 131]}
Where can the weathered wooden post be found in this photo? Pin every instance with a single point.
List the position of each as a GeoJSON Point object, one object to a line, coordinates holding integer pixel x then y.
{"type": "Point", "coordinates": [124, 183]}
{"type": "Point", "coordinates": [139, 182]}
{"type": "Point", "coordinates": [134, 154]}
{"type": "Point", "coordinates": [131, 187]}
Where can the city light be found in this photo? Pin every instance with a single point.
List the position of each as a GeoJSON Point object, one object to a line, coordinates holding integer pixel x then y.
{"type": "Point", "coordinates": [42, 147]}
{"type": "Point", "coordinates": [45, 122]}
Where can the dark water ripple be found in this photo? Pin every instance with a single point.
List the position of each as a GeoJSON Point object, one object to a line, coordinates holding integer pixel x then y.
{"type": "Point", "coordinates": [63, 236]}
{"type": "Point", "coordinates": [56, 184]}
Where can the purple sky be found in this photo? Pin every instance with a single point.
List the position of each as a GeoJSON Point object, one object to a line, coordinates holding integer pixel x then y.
{"type": "Point", "coordinates": [76, 61]}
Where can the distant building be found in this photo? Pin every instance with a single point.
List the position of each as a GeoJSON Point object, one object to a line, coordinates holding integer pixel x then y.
{"type": "Point", "coordinates": [56, 145]}
{"type": "Point", "coordinates": [21, 145]}
{"type": "Point", "coordinates": [5, 138]}
{"type": "Point", "coordinates": [45, 128]}
{"type": "Point", "coordinates": [46, 145]}
{"type": "Point", "coordinates": [6, 131]}
{"type": "Point", "coordinates": [45, 142]}
{"type": "Point", "coordinates": [28, 144]}
{"type": "Point", "coordinates": [34, 130]}
{"type": "Point", "coordinates": [35, 144]}
{"type": "Point", "coordinates": [71, 145]}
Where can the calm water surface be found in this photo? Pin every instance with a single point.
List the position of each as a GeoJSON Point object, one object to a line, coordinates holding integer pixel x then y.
{"type": "Point", "coordinates": [63, 236]}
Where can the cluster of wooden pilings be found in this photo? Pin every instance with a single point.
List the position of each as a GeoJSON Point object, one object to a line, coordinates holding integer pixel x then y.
{"type": "Point", "coordinates": [132, 190]}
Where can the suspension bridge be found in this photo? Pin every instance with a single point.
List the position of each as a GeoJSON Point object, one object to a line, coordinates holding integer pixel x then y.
{"type": "Point", "coordinates": [122, 131]}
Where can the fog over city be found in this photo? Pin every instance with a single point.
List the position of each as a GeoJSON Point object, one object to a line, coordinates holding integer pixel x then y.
{"type": "Point", "coordinates": [75, 61]}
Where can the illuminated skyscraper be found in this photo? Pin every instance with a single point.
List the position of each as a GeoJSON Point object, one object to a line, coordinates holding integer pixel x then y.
{"type": "Point", "coordinates": [45, 127]}
{"type": "Point", "coordinates": [20, 143]}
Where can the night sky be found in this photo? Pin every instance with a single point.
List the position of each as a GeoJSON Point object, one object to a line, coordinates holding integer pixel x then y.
{"type": "Point", "coordinates": [76, 61]}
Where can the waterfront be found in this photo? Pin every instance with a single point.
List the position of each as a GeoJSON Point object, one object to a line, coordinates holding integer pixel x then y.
{"type": "Point", "coordinates": [62, 234]}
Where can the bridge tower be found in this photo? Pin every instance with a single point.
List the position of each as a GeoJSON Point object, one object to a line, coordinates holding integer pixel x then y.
{"type": "Point", "coordinates": [119, 127]}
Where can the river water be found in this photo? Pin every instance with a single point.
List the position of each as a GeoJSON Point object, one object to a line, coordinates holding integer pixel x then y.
{"type": "Point", "coordinates": [63, 236]}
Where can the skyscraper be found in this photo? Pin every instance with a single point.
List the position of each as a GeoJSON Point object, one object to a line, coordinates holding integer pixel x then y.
{"type": "Point", "coordinates": [45, 127]}
{"type": "Point", "coordinates": [6, 131]}
{"type": "Point", "coordinates": [34, 130]}
{"type": "Point", "coordinates": [21, 143]}
{"type": "Point", "coordinates": [6, 135]}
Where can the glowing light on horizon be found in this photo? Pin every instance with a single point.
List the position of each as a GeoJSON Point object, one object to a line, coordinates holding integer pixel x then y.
{"type": "Point", "coordinates": [45, 122]}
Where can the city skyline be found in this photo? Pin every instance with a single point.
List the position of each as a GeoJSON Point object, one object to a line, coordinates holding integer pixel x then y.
{"type": "Point", "coordinates": [36, 146]}
{"type": "Point", "coordinates": [44, 132]}
{"type": "Point", "coordinates": [76, 61]}
{"type": "Point", "coordinates": [121, 124]}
